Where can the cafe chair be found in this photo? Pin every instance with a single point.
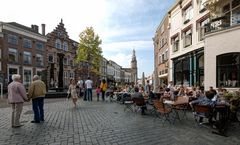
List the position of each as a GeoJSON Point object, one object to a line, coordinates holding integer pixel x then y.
{"type": "Point", "coordinates": [181, 104]}
{"type": "Point", "coordinates": [202, 111]}
{"type": "Point", "coordinates": [128, 105]}
{"type": "Point", "coordinates": [162, 111]}
{"type": "Point", "coordinates": [139, 103]}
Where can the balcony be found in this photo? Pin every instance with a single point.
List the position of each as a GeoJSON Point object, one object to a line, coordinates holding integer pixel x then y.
{"type": "Point", "coordinates": [224, 14]}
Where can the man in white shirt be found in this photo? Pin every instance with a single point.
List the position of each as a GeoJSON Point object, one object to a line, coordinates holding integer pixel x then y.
{"type": "Point", "coordinates": [88, 84]}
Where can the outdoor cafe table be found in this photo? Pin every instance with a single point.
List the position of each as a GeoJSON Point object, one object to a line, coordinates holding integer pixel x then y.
{"type": "Point", "coordinates": [222, 119]}
{"type": "Point", "coordinates": [176, 106]}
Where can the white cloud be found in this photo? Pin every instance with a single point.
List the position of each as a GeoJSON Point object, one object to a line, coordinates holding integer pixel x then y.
{"type": "Point", "coordinates": [122, 59]}
{"type": "Point", "coordinates": [127, 45]}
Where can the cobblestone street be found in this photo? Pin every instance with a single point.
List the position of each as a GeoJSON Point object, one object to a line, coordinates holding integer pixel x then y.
{"type": "Point", "coordinates": [105, 123]}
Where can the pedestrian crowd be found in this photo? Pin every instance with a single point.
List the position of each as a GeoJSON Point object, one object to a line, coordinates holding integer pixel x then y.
{"type": "Point", "coordinates": [17, 94]}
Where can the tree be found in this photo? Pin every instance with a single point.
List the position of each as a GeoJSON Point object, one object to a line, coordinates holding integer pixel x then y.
{"type": "Point", "coordinates": [89, 49]}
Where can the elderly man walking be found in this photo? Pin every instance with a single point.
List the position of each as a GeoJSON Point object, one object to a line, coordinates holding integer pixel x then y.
{"type": "Point", "coordinates": [36, 92]}
{"type": "Point", "coordinates": [16, 96]}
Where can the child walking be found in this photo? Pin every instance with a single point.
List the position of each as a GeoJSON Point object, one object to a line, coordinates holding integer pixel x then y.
{"type": "Point", "coordinates": [98, 90]}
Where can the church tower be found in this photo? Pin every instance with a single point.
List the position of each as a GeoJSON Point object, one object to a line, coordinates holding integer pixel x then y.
{"type": "Point", "coordinates": [134, 68]}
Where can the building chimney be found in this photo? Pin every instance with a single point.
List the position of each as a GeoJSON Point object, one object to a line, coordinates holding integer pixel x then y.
{"type": "Point", "coordinates": [43, 29]}
{"type": "Point", "coordinates": [35, 28]}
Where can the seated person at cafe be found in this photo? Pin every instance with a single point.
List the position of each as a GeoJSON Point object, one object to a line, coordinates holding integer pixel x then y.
{"type": "Point", "coordinates": [137, 94]}
{"type": "Point", "coordinates": [167, 95]}
{"type": "Point", "coordinates": [207, 100]}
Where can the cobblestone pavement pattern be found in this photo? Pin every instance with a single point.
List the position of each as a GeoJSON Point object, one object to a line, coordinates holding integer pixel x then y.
{"type": "Point", "coordinates": [105, 123]}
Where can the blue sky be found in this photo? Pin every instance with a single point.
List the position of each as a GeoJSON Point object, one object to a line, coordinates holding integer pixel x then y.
{"type": "Point", "coordinates": [123, 25]}
{"type": "Point", "coordinates": [131, 25]}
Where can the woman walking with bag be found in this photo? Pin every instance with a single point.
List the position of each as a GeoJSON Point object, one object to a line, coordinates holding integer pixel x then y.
{"type": "Point", "coordinates": [73, 92]}
{"type": "Point", "coordinates": [103, 87]}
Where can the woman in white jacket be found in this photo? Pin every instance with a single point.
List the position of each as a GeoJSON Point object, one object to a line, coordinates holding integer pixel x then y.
{"type": "Point", "coordinates": [72, 89]}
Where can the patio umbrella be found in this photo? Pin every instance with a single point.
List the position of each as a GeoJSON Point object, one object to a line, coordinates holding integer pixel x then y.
{"type": "Point", "coordinates": [143, 79]}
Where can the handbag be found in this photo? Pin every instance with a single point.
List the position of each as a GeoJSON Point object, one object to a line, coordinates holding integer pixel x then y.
{"type": "Point", "coordinates": [69, 94]}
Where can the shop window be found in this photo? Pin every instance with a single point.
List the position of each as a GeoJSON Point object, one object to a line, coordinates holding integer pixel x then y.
{"type": "Point", "coordinates": [228, 70]}
{"type": "Point", "coordinates": [182, 72]}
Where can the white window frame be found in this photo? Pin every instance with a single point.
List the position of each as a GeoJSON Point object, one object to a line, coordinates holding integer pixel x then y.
{"type": "Point", "coordinates": [166, 54]}
{"type": "Point", "coordinates": [65, 46]}
{"type": "Point", "coordinates": [16, 54]}
{"type": "Point", "coordinates": [12, 39]}
{"type": "Point", "coordinates": [42, 46]}
{"type": "Point", "coordinates": [176, 43]}
{"type": "Point", "coordinates": [27, 43]}
{"type": "Point", "coordinates": [188, 13]}
{"type": "Point", "coordinates": [58, 44]}
{"type": "Point", "coordinates": [186, 36]}
{"type": "Point", "coordinates": [14, 67]}
{"type": "Point", "coordinates": [27, 52]}
{"type": "Point", "coordinates": [27, 68]}
{"type": "Point", "coordinates": [202, 28]}
{"type": "Point", "coordinates": [201, 4]}
{"type": "Point", "coordinates": [163, 57]}
{"type": "Point", "coordinates": [37, 60]}
{"type": "Point", "coordinates": [159, 58]}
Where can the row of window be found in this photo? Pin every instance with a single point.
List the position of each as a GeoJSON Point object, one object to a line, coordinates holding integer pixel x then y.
{"type": "Point", "coordinates": [187, 35]}
{"type": "Point", "coordinates": [68, 74]}
{"type": "Point", "coordinates": [66, 60]}
{"type": "Point", "coordinates": [162, 57]}
{"type": "Point", "coordinates": [188, 11]}
{"type": "Point", "coordinates": [230, 15]}
{"type": "Point", "coordinates": [163, 72]}
{"type": "Point", "coordinates": [27, 57]}
{"type": "Point", "coordinates": [27, 75]}
{"type": "Point", "coordinates": [27, 43]}
{"type": "Point", "coordinates": [60, 45]}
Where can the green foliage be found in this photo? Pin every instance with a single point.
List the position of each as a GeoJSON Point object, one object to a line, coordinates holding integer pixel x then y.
{"type": "Point", "coordinates": [89, 49]}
